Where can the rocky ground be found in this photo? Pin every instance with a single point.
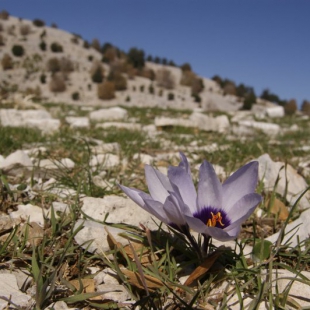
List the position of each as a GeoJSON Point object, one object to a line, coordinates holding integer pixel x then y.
{"type": "Point", "coordinates": [64, 221]}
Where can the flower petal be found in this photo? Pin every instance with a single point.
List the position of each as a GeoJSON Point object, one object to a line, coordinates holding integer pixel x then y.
{"type": "Point", "coordinates": [184, 164]}
{"type": "Point", "coordinates": [209, 187]}
{"type": "Point", "coordinates": [242, 209]}
{"type": "Point", "coordinates": [143, 200]}
{"type": "Point", "coordinates": [239, 184]}
{"type": "Point", "coordinates": [180, 178]}
{"type": "Point", "coordinates": [173, 212]}
{"type": "Point", "coordinates": [158, 184]}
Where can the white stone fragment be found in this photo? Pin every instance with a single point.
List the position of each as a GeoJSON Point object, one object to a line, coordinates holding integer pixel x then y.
{"type": "Point", "coordinates": [11, 294]}
{"type": "Point", "coordinates": [29, 213]}
{"type": "Point", "coordinates": [106, 161]}
{"type": "Point", "coordinates": [110, 114]}
{"type": "Point", "coordinates": [77, 122]}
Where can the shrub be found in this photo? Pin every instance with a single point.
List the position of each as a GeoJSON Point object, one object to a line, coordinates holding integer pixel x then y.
{"type": "Point", "coordinates": [127, 99]}
{"type": "Point", "coordinates": [24, 30]}
{"type": "Point", "coordinates": [53, 65]}
{"type": "Point", "coordinates": [7, 62]}
{"type": "Point", "coordinates": [186, 67]}
{"type": "Point", "coordinates": [75, 96]}
{"type": "Point", "coordinates": [1, 27]}
{"type": "Point", "coordinates": [229, 88]}
{"type": "Point", "coordinates": [136, 58]}
{"type": "Point", "coordinates": [118, 79]}
{"type": "Point", "coordinates": [4, 15]}
{"type": "Point", "coordinates": [142, 88]}
{"type": "Point", "coordinates": [170, 96]}
{"type": "Point", "coordinates": [56, 47]}
{"type": "Point", "coordinates": [305, 107]}
{"type": "Point", "coordinates": [42, 46]}
{"type": "Point", "coordinates": [36, 92]}
{"type": "Point", "coordinates": [290, 107]}
{"type": "Point", "coordinates": [196, 97]}
{"type": "Point", "coordinates": [66, 65]}
{"type": "Point", "coordinates": [151, 89]}
{"type": "Point", "coordinates": [38, 22]}
{"type": "Point", "coordinates": [187, 78]}
{"type": "Point", "coordinates": [147, 73]}
{"type": "Point", "coordinates": [97, 73]}
{"type": "Point", "coordinates": [95, 44]}
{"type": "Point", "coordinates": [86, 44]}
{"type": "Point", "coordinates": [165, 79]}
{"type": "Point", "coordinates": [90, 58]}
{"type": "Point", "coordinates": [43, 34]}
{"type": "Point", "coordinates": [106, 90]}
{"type": "Point", "coordinates": [57, 83]}
{"type": "Point", "coordinates": [1, 40]}
{"type": "Point", "coordinates": [43, 78]}
{"type": "Point", "coordinates": [248, 102]}
{"type": "Point", "coordinates": [54, 25]}
{"type": "Point", "coordinates": [18, 50]}
{"type": "Point", "coordinates": [109, 55]}
{"type": "Point", "coordinates": [197, 86]}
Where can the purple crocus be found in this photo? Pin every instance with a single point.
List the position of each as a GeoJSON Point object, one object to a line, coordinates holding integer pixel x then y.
{"type": "Point", "coordinates": [216, 210]}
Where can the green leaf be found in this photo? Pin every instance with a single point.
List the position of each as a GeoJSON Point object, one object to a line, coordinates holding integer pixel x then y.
{"type": "Point", "coordinates": [261, 250]}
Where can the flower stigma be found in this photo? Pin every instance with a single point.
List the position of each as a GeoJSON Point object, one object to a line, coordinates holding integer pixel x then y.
{"type": "Point", "coordinates": [215, 218]}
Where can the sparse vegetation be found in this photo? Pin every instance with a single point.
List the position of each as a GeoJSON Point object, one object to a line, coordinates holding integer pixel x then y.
{"type": "Point", "coordinates": [7, 62]}
{"type": "Point", "coordinates": [18, 50]}
{"type": "Point", "coordinates": [106, 90]}
{"type": "Point", "coordinates": [38, 22]}
{"type": "Point", "coordinates": [56, 47]}
{"type": "Point", "coordinates": [57, 83]}
{"type": "Point", "coordinates": [24, 30]}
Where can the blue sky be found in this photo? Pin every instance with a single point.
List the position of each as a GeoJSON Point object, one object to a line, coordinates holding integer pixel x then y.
{"type": "Point", "coordinates": [262, 43]}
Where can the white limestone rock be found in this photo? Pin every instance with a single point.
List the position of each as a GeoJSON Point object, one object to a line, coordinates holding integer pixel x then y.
{"type": "Point", "coordinates": [29, 213]}
{"type": "Point", "coordinates": [77, 122]}
{"type": "Point", "coordinates": [119, 125]}
{"type": "Point", "coordinates": [144, 158]}
{"type": "Point", "coordinates": [9, 290]}
{"type": "Point", "coordinates": [110, 114]}
{"type": "Point", "coordinates": [269, 171]}
{"type": "Point", "coordinates": [16, 164]}
{"type": "Point", "coordinates": [267, 128]}
{"type": "Point", "coordinates": [105, 161]}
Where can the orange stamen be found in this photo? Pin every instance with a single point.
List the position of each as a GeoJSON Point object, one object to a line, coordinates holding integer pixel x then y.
{"type": "Point", "coordinates": [215, 218]}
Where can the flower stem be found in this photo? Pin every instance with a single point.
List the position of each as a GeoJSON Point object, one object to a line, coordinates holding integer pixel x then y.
{"type": "Point", "coordinates": [205, 245]}
{"type": "Point", "coordinates": [194, 244]}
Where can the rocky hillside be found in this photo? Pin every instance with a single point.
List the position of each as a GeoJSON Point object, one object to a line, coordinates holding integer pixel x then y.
{"type": "Point", "coordinates": [57, 66]}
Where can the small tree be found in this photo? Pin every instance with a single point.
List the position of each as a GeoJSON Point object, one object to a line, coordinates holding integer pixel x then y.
{"type": "Point", "coordinates": [106, 90]}
{"type": "Point", "coordinates": [42, 46]}
{"type": "Point", "coordinates": [290, 107]}
{"type": "Point", "coordinates": [305, 107]}
{"type": "Point", "coordinates": [95, 44]}
{"type": "Point", "coordinates": [170, 96]}
{"type": "Point", "coordinates": [53, 65]}
{"type": "Point", "coordinates": [118, 79]}
{"type": "Point", "coordinates": [57, 83]}
{"type": "Point", "coordinates": [7, 62]}
{"type": "Point", "coordinates": [165, 79]}
{"type": "Point", "coordinates": [186, 67]}
{"type": "Point", "coordinates": [4, 15]}
{"type": "Point", "coordinates": [136, 58]}
{"type": "Point", "coordinates": [1, 40]}
{"type": "Point", "coordinates": [38, 22]}
{"type": "Point", "coordinates": [248, 102]}
{"type": "Point", "coordinates": [24, 30]}
{"type": "Point", "coordinates": [18, 50]}
{"type": "Point", "coordinates": [97, 73]}
{"type": "Point", "coordinates": [56, 47]}
{"type": "Point", "coordinates": [75, 96]}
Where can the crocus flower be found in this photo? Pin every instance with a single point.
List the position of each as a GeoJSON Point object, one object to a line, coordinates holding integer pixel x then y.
{"type": "Point", "coordinates": [215, 210]}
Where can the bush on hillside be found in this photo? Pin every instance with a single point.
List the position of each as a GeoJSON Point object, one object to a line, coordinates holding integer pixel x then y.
{"type": "Point", "coordinates": [56, 47]}
{"type": "Point", "coordinates": [75, 96]}
{"type": "Point", "coordinates": [170, 96]}
{"type": "Point", "coordinates": [54, 25]}
{"type": "Point", "coordinates": [18, 50]}
{"type": "Point", "coordinates": [7, 62]}
{"type": "Point", "coordinates": [305, 107]}
{"type": "Point", "coordinates": [106, 90]}
{"type": "Point", "coordinates": [38, 22]}
{"type": "Point", "coordinates": [165, 79]}
{"type": "Point", "coordinates": [53, 65]}
{"type": "Point", "coordinates": [186, 67]}
{"type": "Point", "coordinates": [290, 107]}
{"type": "Point", "coordinates": [85, 44]}
{"type": "Point", "coordinates": [42, 46]}
{"type": "Point", "coordinates": [95, 44]}
{"type": "Point", "coordinates": [248, 102]}
{"type": "Point", "coordinates": [66, 65]}
{"type": "Point", "coordinates": [57, 83]}
{"type": "Point", "coordinates": [43, 78]}
{"type": "Point", "coordinates": [118, 79]}
{"type": "Point", "coordinates": [4, 15]}
{"type": "Point", "coordinates": [97, 73]}
{"type": "Point", "coordinates": [24, 30]}
{"type": "Point", "coordinates": [136, 58]}
{"type": "Point", "coordinates": [2, 43]}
